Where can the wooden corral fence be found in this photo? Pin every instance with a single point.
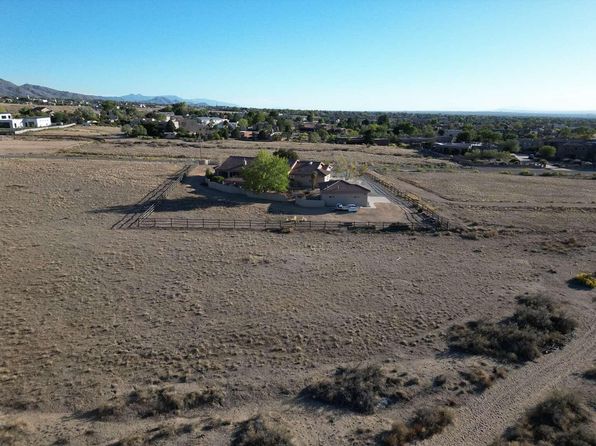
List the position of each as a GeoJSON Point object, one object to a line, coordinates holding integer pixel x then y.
{"type": "Point", "coordinates": [429, 212]}
{"type": "Point", "coordinates": [207, 223]}
{"type": "Point", "coordinates": [146, 206]}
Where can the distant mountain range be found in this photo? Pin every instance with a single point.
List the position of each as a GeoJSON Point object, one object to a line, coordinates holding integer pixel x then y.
{"type": "Point", "coordinates": [9, 89]}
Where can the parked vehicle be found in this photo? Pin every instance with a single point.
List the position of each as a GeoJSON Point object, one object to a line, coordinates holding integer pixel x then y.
{"type": "Point", "coordinates": [346, 208]}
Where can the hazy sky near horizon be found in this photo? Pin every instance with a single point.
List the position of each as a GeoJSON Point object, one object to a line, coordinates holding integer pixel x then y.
{"type": "Point", "coordinates": [328, 54]}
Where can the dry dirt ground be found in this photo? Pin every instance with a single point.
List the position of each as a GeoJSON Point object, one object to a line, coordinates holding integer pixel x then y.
{"type": "Point", "coordinates": [505, 202]}
{"type": "Point", "coordinates": [10, 145]}
{"type": "Point", "coordinates": [89, 313]}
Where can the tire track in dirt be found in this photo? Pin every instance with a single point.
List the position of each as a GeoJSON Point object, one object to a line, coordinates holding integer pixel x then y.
{"type": "Point", "coordinates": [487, 416]}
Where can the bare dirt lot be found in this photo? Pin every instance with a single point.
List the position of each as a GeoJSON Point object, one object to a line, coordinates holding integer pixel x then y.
{"type": "Point", "coordinates": [243, 320]}
{"type": "Point", "coordinates": [20, 146]}
{"type": "Point", "coordinates": [508, 202]}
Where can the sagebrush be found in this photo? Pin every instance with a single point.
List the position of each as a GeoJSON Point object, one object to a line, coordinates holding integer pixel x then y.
{"type": "Point", "coordinates": [537, 326]}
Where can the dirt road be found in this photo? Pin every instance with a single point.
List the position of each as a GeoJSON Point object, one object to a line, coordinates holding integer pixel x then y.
{"type": "Point", "coordinates": [487, 417]}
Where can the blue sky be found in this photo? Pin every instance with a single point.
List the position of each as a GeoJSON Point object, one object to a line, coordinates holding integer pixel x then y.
{"type": "Point", "coordinates": [327, 54]}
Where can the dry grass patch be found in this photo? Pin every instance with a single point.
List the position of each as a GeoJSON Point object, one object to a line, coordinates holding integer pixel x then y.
{"type": "Point", "coordinates": [561, 420]}
{"type": "Point", "coordinates": [424, 424]}
{"type": "Point", "coordinates": [358, 389]}
{"type": "Point", "coordinates": [262, 431]}
{"type": "Point", "coordinates": [155, 401]}
{"type": "Point", "coordinates": [481, 379]}
{"type": "Point", "coordinates": [160, 433]}
{"type": "Point", "coordinates": [564, 246]}
{"type": "Point", "coordinates": [538, 326]}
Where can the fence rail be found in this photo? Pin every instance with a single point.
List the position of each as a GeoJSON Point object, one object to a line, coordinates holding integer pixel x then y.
{"type": "Point", "coordinates": [324, 225]}
{"type": "Point", "coordinates": [146, 206]}
{"type": "Point", "coordinates": [431, 215]}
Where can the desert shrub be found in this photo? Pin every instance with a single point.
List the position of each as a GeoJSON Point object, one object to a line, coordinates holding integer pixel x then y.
{"type": "Point", "coordinates": [586, 279]}
{"type": "Point", "coordinates": [262, 431]}
{"type": "Point", "coordinates": [154, 401]}
{"type": "Point", "coordinates": [537, 326]}
{"type": "Point", "coordinates": [561, 420]}
{"type": "Point", "coordinates": [217, 179]}
{"type": "Point", "coordinates": [357, 389]}
{"type": "Point", "coordinates": [424, 424]}
{"type": "Point", "coordinates": [526, 173]}
{"type": "Point", "coordinates": [151, 402]}
{"type": "Point", "coordinates": [482, 379]}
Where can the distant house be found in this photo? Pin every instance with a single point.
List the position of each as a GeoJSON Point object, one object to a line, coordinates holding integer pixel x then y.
{"type": "Point", "coordinates": [232, 167]}
{"type": "Point", "coordinates": [37, 121]}
{"type": "Point", "coordinates": [381, 141]}
{"type": "Point", "coordinates": [341, 192]}
{"type": "Point", "coordinates": [248, 134]}
{"type": "Point", "coordinates": [309, 173]}
{"type": "Point", "coordinates": [210, 121]}
{"type": "Point", "coordinates": [308, 126]}
{"type": "Point", "coordinates": [42, 110]}
{"type": "Point", "coordinates": [8, 122]}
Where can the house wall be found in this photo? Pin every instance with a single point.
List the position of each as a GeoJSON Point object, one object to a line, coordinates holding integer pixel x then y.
{"type": "Point", "coordinates": [332, 199]}
{"type": "Point", "coordinates": [270, 196]}
{"type": "Point", "coordinates": [37, 122]}
{"type": "Point", "coordinates": [306, 180]}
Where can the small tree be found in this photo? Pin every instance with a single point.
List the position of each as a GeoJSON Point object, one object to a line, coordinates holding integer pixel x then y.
{"type": "Point", "coordinates": [138, 130]}
{"type": "Point", "coordinates": [289, 154]}
{"type": "Point", "coordinates": [510, 145]}
{"type": "Point", "coordinates": [547, 151]}
{"type": "Point", "coordinates": [266, 173]}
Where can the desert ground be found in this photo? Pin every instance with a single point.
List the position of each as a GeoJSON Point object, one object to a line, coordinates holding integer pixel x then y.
{"type": "Point", "coordinates": [247, 319]}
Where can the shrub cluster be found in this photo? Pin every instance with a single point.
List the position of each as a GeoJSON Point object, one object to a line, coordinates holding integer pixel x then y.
{"type": "Point", "coordinates": [586, 279]}
{"type": "Point", "coordinates": [357, 389]}
{"type": "Point", "coordinates": [155, 401]}
{"type": "Point", "coordinates": [262, 431]}
{"type": "Point", "coordinates": [424, 424]}
{"type": "Point", "coordinates": [482, 379]}
{"type": "Point", "coordinates": [560, 420]}
{"type": "Point", "coordinates": [537, 326]}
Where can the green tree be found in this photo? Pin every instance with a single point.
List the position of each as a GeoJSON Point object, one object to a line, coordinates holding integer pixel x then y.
{"type": "Point", "coordinates": [266, 173]}
{"type": "Point", "coordinates": [289, 154]}
{"type": "Point", "coordinates": [242, 124]}
{"type": "Point", "coordinates": [170, 126]}
{"type": "Point", "coordinates": [547, 151]}
{"type": "Point", "coordinates": [368, 136]}
{"type": "Point", "coordinates": [383, 120]}
{"type": "Point", "coordinates": [138, 130]}
{"type": "Point", "coordinates": [405, 128]}
{"type": "Point", "coordinates": [510, 145]}
{"type": "Point", "coordinates": [314, 137]}
{"type": "Point", "coordinates": [180, 108]}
